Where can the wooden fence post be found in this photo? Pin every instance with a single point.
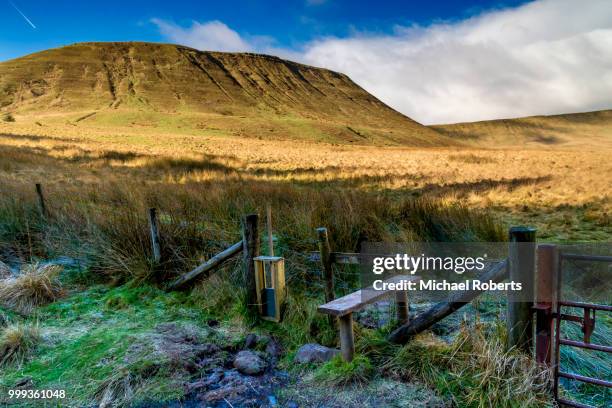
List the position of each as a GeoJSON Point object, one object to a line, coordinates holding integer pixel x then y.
{"type": "Point", "coordinates": [546, 278]}
{"type": "Point", "coordinates": [154, 235]}
{"type": "Point", "coordinates": [250, 250]}
{"type": "Point", "coordinates": [269, 227]}
{"type": "Point", "coordinates": [347, 341]}
{"type": "Point", "coordinates": [41, 201]}
{"type": "Point", "coordinates": [521, 268]}
{"type": "Point", "coordinates": [326, 263]}
{"type": "Point", "coordinates": [401, 303]}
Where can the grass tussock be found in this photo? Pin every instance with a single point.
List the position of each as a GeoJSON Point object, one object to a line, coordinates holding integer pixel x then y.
{"type": "Point", "coordinates": [5, 271]}
{"type": "Point", "coordinates": [116, 391]}
{"type": "Point", "coordinates": [35, 286]}
{"type": "Point", "coordinates": [475, 370]}
{"type": "Point", "coordinates": [17, 342]}
{"type": "Point", "coordinates": [338, 372]}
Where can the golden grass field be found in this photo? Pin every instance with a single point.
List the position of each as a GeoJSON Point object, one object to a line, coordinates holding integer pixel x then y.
{"type": "Point", "coordinates": [564, 191]}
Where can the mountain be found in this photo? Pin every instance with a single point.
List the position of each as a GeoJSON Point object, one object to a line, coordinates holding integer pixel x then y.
{"type": "Point", "coordinates": [166, 87]}
{"type": "Point", "coordinates": [589, 129]}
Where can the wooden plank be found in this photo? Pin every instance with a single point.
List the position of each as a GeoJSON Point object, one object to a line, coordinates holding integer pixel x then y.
{"type": "Point", "coordinates": [356, 300]}
{"type": "Point", "coordinates": [348, 258]}
{"type": "Point", "coordinates": [425, 320]}
{"type": "Point", "coordinates": [212, 263]}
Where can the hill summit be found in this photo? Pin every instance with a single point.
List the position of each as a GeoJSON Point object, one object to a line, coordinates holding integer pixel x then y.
{"type": "Point", "coordinates": [171, 86]}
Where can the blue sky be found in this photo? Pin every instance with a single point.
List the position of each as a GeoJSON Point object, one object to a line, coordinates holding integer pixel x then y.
{"type": "Point", "coordinates": [288, 23]}
{"type": "Point", "coordinates": [437, 61]}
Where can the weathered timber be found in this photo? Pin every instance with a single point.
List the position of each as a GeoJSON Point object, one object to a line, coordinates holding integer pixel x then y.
{"type": "Point", "coordinates": [347, 340]}
{"type": "Point", "coordinates": [250, 250]}
{"type": "Point", "coordinates": [154, 227]}
{"type": "Point", "coordinates": [423, 321]}
{"type": "Point", "coordinates": [343, 309]}
{"type": "Point", "coordinates": [349, 258]}
{"type": "Point", "coordinates": [401, 304]}
{"type": "Point", "coordinates": [357, 300]}
{"type": "Point", "coordinates": [269, 227]}
{"type": "Point", "coordinates": [209, 265]}
{"type": "Point", "coordinates": [44, 212]}
{"type": "Point", "coordinates": [521, 268]}
{"type": "Point", "coordinates": [548, 268]}
{"type": "Point", "coordinates": [326, 263]}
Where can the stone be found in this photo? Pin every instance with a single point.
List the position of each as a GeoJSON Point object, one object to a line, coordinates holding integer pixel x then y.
{"type": "Point", "coordinates": [251, 341]}
{"type": "Point", "coordinates": [25, 382]}
{"type": "Point", "coordinates": [315, 353]}
{"type": "Point", "coordinates": [274, 349]}
{"type": "Point", "coordinates": [249, 363]}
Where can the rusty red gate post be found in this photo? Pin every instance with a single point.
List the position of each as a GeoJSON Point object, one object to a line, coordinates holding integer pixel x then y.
{"type": "Point", "coordinates": [546, 278]}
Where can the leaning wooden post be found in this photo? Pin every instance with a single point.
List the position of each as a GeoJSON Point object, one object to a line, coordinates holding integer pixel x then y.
{"type": "Point", "coordinates": [546, 278]}
{"type": "Point", "coordinates": [347, 341]}
{"type": "Point", "coordinates": [326, 264]}
{"type": "Point", "coordinates": [250, 250]}
{"type": "Point", "coordinates": [41, 201]}
{"type": "Point", "coordinates": [154, 235]}
{"type": "Point", "coordinates": [521, 268]}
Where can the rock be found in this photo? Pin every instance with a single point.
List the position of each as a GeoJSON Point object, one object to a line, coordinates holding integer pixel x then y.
{"type": "Point", "coordinates": [315, 353]}
{"type": "Point", "coordinates": [251, 341]}
{"type": "Point", "coordinates": [249, 363]}
{"type": "Point", "coordinates": [256, 341]}
{"type": "Point", "coordinates": [25, 382]}
{"type": "Point", "coordinates": [274, 349]}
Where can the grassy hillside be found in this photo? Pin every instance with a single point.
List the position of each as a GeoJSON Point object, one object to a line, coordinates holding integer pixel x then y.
{"type": "Point", "coordinates": [174, 87]}
{"type": "Point", "coordinates": [589, 129]}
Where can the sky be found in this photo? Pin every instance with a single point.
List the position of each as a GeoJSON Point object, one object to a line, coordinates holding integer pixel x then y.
{"type": "Point", "coordinates": [437, 61]}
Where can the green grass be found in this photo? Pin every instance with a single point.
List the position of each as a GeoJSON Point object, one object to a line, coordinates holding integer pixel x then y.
{"type": "Point", "coordinates": [87, 336]}
{"type": "Point", "coordinates": [338, 372]}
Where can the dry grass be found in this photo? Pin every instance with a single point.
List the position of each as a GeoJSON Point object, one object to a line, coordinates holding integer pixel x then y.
{"type": "Point", "coordinates": [17, 342]}
{"type": "Point", "coordinates": [35, 286]}
{"type": "Point", "coordinates": [5, 271]}
{"type": "Point", "coordinates": [476, 370]}
{"type": "Point", "coordinates": [564, 191]}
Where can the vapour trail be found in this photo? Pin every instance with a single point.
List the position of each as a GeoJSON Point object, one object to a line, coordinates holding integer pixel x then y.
{"type": "Point", "coordinates": [22, 15]}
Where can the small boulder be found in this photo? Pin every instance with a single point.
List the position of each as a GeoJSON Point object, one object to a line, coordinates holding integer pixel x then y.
{"type": "Point", "coordinates": [249, 363]}
{"type": "Point", "coordinates": [274, 349]}
{"type": "Point", "coordinates": [251, 341]}
{"type": "Point", "coordinates": [315, 353]}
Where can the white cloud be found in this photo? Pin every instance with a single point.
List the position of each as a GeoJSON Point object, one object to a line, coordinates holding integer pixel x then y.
{"type": "Point", "coordinates": [547, 56]}
{"type": "Point", "coordinates": [212, 36]}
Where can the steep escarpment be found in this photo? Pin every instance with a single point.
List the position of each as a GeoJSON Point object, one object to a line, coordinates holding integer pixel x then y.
{"type": "Point", "coordinates": [106, 79]}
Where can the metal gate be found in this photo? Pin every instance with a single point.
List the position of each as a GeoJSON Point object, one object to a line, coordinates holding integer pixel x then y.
{"type": "Point", "coordinates": [587, 321]}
